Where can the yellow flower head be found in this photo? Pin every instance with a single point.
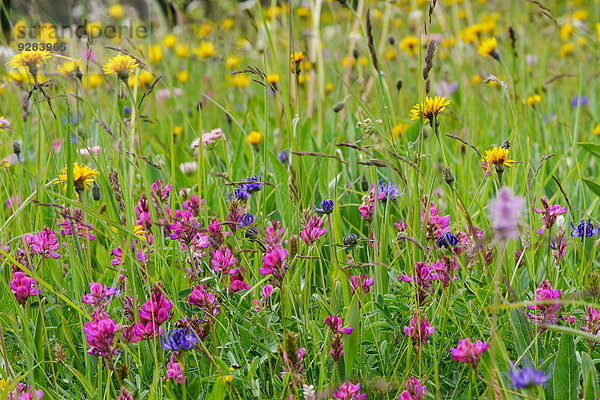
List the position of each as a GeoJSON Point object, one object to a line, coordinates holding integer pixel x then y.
{"type": "Point", "coordinates": [205, 50]}
{"type": "Point", "coordinates": [533, 100]}
{"type": "Point", "coordinates": [498, 157]}
{"type": "Point", "coordinates": [432, 107]}
{"type": "Point", "coordinates": [183, 76]}
{"type": "Point", "coordinates": [83, 176]}
{"type": "Point", "coordinates": [155, 53]}
{"type": "Point", "coordinates": [487, 48]}
{"type": "Point", "coordinates": [297, 57]}
{"type": "Point", "coordinates": [91, 81]}
{"type": "Point", "coordinates": [596, 130]}
{"type": "Point", "coordinates": [273, 79]}
{"type": "Point", "coordinates": [410, 44]}
{"type": "Point", "coordinates": [398, 130]}
{"type": "Point", "coordinates": [70, 67]}
{"type": "Point", "coordinates": [31, 59]}
{"type": "Point", "coordinates": [121, 65]}
{"type": "Point", "coordinates": [239, 80]}
{"type": "Point", "coordinates": [143, 79]}
{"type": "Point", "coordinates": [170, 41]}
{"type": "Point", "coordinates": [116, 11]}
{"type": "Point", "coordinates": [227, 24]}
{"type": "Point", "coordinates": [140, 232]}
{"type": "Point", "coordinates": [177, 130]}
{"type": "Point", "coordinates": [94, 29]}
{"type": "Point", "coordinates": [254, 138]}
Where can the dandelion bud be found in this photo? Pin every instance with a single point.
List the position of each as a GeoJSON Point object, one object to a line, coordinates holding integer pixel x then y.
{"type": "Point", "coordinates": [338, 107]}
{"type": "Point", "coordinates": [448, 176]}
{"type": "Point", "coordinates": [16, 145]}
{"type": "Point", "coordinates": [96, 192]}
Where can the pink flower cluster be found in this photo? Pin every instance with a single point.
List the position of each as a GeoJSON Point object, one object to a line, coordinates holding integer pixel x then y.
{"type": "Point", "coordinates": [23, 287]}
{"type": "Point", "coordinates": [313, 230]}
{"type": "Point", "coordinates": [25, 392]}
{"type": "Point", "coordinates": [175, 371]}
{"type": "Point", "coordinates": [414, 390]}
{"type": "Point", "coordinates": [152, 314]}
{"type": "Point", "coordinates": [436, 224]}
{"type": "Point", "coordinates": [419, 331]}
{"type": "Point", "coordinates": [548, 309]}
{"type": "Point", "coordinates": [549, 214]}
{"type": "Point", "coordinates": [43, 243]}
{"type": "Point", "coordinates": [100, 335]}
{"type": "Point", "coordinates": [361, 282]}
{"type": "Point", "coordinates": [274, 259]}
{"type": "Point", "coordinates": [337, 345]}
{"type": "Point", "coordinates": [349, 391]}
{"type": "Point", "coordinates": [467, 352]}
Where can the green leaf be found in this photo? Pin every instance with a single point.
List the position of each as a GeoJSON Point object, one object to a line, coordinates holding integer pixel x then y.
{"type": "Point", "coordinates": [593, 186]}
{"type": "Point", "coordinates": [565, 379]}
{"type": "Point", "coordinates": [591, 386]}
{"type": "Point", "coordinates": [351, 342]}
{"type": "Point", "coordinates": [593, 148]}
{"type": "Point", "coordinates": [522, 331]}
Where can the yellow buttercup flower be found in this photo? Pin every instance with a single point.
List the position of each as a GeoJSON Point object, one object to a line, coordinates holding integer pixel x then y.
{"type": "Point", "coordinates": [83, 177]}
{"type": "Point", "coordinates": [121, 65]}
{"type": "Point", "coordinates": [116, 11]}
{"type": "Point", "coordinates": [429, 109]}
{"type": "Point", "coordinates": [533, 100]}
{"type": "Point", "coordinates": [254, 138]}
{"type": "Point", "coordinates": [488, 47]}
{"type": "Point", "coordinates": [498, 157]}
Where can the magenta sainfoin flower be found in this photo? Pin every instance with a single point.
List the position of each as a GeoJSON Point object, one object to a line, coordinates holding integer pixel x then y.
{"type": "Point", "coordinates": [549, 213]}
{"type": "Point", "coordinates": [100, 335]}
{"type": "Point", "coordinates": [118, 256]}
{"type": "Point", "coordinates": [444, 270]}
{"type": "Point", "coordinates": [75, 221]}
{"type": "Point", "coordinates": [423, 279]}
{"type": "Point", "coordinates": [222, 259]}
{"type": "Point", "coordinates": [367, 208]}
{"type": "Point", "coordinates": [591, 322]}
{"type": "Point", "coordinates": [506, 214]}
{"type": "Point", "coordinates": [419, 331]}
{"type": "Point", "coordinates": [25, 392]}
{"type": "Point", "coordinates": [265, 293]}
{"type": "Point", "coordinates": [274, 264]}
{"type": "Point", "coordinates": [468, 352]}
{"type": "Point", "coordinates": [414, 390]}
{"type": "Point", "coordinates": [23, 287]}
{"type": "Point", "coordinates": [548, 309]}
{"type": "Point", "coordinates": [337, 345]}
{"type": "Point", "coordinates": [43, 243]}
{"type": "Point", "coordinates": [349, 391]}
{"type": "Point", "coordinates": [435, 224]}
{"type": "Point", "coordinates": [153, 313]}
{"type": "Point", "coordinates": [175, 371]}
{"type": "Point", "coordinates": [361, 282]}
{"type": "Point", "coordinates": [313, 230]}
{"type": "Point", "coordinates": [99, 295]}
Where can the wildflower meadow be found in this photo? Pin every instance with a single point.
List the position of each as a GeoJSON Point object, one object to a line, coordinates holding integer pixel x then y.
{"type": "Point", "coordinates": [302, 199]}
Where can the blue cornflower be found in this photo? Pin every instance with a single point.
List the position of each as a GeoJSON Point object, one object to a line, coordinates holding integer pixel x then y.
{"type": "Point", "coordinates": [179, 339]}
{"type": "Point", "coordinates": [447, 240]}
{"type": "Point", "coordinates": [583, 229]}
{"type": "Point", "coordinates": [579, 101]}
{"type": "Point", "coordinates": [283, 157]}
{"type": "Point", "coordinates": [326, 207]}
{"type": "Point", "coordinates": [387, 191]}
{"type": "Point", "coordinates": [247, 219]}
{"type": "Point", "coordinates": [528, 377]}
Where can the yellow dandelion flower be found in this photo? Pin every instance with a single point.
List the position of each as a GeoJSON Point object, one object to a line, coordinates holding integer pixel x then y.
{"type": "Point", "coordinates": [498, 157]}
{"type": "Point", "coordinates": [398, 130]}
{"type": "Point", "coordinates": [429, 109]}
{"type": "Point", "coordinates": [170, 41]}
{"type": "Point", "coordinates": [487, 48]}
{"type": "Point", "coordinates": [204, 30]}
{"type": "Point", "coordinates": [227, 24]}
{"type": "Point", "coordinates": [273, 12]}
{"type": "Point", "coordinates": [143, 79]}
{"type": "Point", "coordinates": [94, 29]}
{"type": "Point", "coordinates": [580, 15]}
{"type": "Point", "coordinates": [273, 79]}
{"type": "Point", "coordinates": [31, 59]}
{"type": "Point", "coordinates": [91, 81]}
{"type": "Point", "coordinates": [390, 54]}
{"type": "Point", "coordinates": [70, 67]}
{"type": "Point", "coordinates": [566, 31]}
{"type": "Point", "coordinates": [177, 130]}
{"type": "Point", "coordinates": [297, 57]}
{"type": "Point", "coordinates": [83, 177]}
{"type": "Point", "coordinates": [239, 80]}
{"type": "Point", "coordinates": [410, 44]}
{"type": "Point", "coordinates": [348, 62]}
{"type": "Point", "coordinates": [121, 65]}
{"type": "Point", "coordinates": [449, 42]}
{"type": "Point", "coordinates": [596, 130]}
{"type": "Point", "coordinates": [533, 100]}
{"type": "Point", "coordinates": [303, 12]}
{"type": "Point", "coordinates": [475, 79]}
{"type": "Point", "coordinates": [232, 62]}
{"type": "Point", "coordinates": [205, 50]}
{"type": "Point", "coordinates": [183, 76]}
{"type": "Point", "coordinates": [329, 87]}
{"type": "Point", "coordinates": [567, 49]}
{"type": "Point", "coordinates": [182, 51]}
{"type": "Point", "coordinates": [254, 138]}
{"type": "Point", "coordinates": [155, 53]}
{"type": "Point", "coordinates": [116, 11]}
{"type": "Point", "coordinates": [47, 33]}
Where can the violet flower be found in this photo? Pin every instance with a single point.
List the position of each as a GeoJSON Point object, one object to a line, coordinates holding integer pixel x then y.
{"type": "Point", "coordinates": [527, 378]}
{"type": "Point", "coordinates": [179, 339]}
